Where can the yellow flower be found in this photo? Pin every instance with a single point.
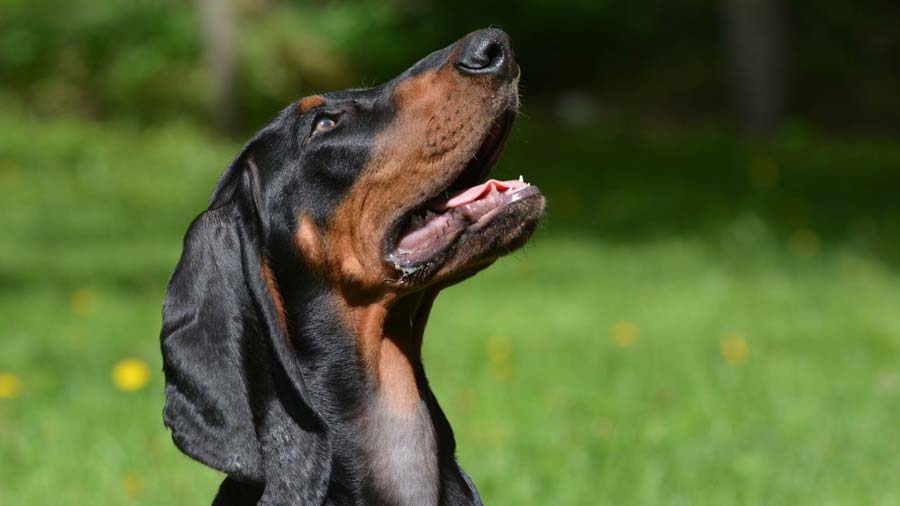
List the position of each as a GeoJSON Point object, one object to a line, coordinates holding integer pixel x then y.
{"type": "Point", "coordinates": [734, 348]}
{"type": "Point", "coordinates": [83, 302]}
{"type": "Point", "coordinates": [624, 334]}
{"type": "Point", "coordinates": [10, 385]}
{"type": "Point", "coordinates": [499, 351]}
{"type": "Point", "coordinates": [132, 484]}
{"type": "Point", "coordinates": [130, 375]}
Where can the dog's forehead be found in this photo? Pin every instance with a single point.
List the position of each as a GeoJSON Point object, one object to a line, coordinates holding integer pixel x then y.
{"type": "Point", "coordinates": [362, 96]}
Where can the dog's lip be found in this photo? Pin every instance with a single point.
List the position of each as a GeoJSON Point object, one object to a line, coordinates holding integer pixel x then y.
{"type": "Point", "coordinates": [471, 236]}
{"type": "Point", "coordinates": [469, 177]}
{"type": "Point", "coordinates": [495, 138]}
{"type": "Point", "coordinates": [429, 233]}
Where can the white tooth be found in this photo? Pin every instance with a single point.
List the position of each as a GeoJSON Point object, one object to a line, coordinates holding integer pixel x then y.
{"type": "Point", "coordinates": [521, 179]}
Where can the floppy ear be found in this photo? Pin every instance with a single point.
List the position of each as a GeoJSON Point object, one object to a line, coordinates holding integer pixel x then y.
{"type": "Point", "coordinates": [235, 397]}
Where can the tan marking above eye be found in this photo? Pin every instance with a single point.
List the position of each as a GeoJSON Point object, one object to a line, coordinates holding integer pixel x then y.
{"type": "Point", "coordinates": [307, 103]}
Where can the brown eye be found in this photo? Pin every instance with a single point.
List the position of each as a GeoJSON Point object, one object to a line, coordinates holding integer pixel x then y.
{"type": "Point", "coordinates": [324, 124]}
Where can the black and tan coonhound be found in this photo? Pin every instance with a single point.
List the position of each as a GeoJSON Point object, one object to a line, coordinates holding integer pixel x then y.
{"type": "Point", "coordinates": [292, 325]}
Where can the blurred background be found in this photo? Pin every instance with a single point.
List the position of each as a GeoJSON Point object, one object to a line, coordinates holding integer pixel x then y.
{"type": "Point", "coordinates": [709, 313]}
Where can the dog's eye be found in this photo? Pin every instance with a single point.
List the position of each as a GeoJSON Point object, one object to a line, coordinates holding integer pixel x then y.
{"type": "Point", "coordinates": [324, 124]}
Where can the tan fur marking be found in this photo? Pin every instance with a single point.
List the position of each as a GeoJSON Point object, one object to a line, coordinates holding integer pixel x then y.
{"type": "Point", "coordinates": [309, 243]}
{"type": "Point", "coordinates": [439, 122]}
{"type": "Point", "coordinates": [387, 347]}
{"type": "Point", "coordinates": [307, 103]}
{"type": "Point", "coordinates": [272, 288]}
{"type": "Point", "coordinates": [397, 378]}
{"type": "Point", "coordinates": [367, 323]}
{"type": "Point", "coordinates": [441, 118]}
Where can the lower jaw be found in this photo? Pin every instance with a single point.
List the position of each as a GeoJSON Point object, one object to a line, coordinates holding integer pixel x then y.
{"type": "Point", "coordinates": [520, 195]}
{"type": "Point", "coordinates": [419, 269]}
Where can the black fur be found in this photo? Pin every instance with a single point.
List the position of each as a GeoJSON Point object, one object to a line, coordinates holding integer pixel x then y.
{"type": "Point", "coordinates": [269, 406]}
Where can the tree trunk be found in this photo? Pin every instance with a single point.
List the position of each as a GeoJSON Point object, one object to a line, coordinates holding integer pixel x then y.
{"type": "Point", "coordinates": [219, 42]}
{"type": "Point", "coordinates": [755, 30]}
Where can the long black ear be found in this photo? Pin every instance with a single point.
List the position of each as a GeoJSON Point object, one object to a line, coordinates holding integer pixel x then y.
{"type": "Point", "coordinates": [235, 397]}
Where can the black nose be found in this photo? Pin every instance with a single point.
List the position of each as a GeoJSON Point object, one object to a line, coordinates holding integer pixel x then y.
{"type": "Point", "coordinates": [487, 52]}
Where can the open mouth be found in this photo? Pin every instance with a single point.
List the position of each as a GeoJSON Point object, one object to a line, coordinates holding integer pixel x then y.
{"type": "Point", "coordinates": [425, 235]}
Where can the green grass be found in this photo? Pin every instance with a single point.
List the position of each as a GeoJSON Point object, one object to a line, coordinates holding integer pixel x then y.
{"type": "Point", "coordinates": [690, 236]}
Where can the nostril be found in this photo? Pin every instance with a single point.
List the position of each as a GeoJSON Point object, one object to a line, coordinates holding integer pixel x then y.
{"type": "Point", "coordinates": [493, 53]}
{"type": "Point", "coordinates": [486, 52]}
{"type": "Point", "coordinates": [483, 58]}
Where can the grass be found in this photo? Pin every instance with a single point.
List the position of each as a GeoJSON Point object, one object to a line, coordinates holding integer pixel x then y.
{"type": "Point", "coordinates": [699, 320]}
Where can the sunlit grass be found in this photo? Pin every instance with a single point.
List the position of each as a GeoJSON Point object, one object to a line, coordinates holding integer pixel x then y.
{"type": "Point", "coordinates": [745, 357]}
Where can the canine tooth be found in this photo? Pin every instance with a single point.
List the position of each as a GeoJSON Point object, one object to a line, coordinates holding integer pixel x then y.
{"type": "Point", "coordinates": [521, 179]}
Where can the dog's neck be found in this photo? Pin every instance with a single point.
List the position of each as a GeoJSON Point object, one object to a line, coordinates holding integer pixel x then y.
{"type": "Point", "coordinates": [396, 427]}
{"type": "Point", "coordinates": [388, 335]}
{"type": "Point", "coordinates": [389, 414]}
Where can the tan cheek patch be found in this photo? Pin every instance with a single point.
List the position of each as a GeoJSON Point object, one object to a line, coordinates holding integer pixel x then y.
{"type": "Point", "coordinates": [397, 168]}
{"type": "Point", "coordinates": [431, 131]}
{"type": "Point", "coordinates": [307, 103]}
{"type": "Point", "coordinates": [309, 244]}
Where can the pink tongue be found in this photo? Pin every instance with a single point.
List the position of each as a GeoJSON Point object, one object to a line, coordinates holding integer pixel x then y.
{"type": "Point", "coordinates": [476, 192]}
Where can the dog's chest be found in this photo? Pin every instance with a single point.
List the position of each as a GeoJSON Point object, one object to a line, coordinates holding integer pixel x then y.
{"type": "Point", "coordinates": [402, 453]}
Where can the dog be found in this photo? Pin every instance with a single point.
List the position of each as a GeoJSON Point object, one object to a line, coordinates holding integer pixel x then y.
{"type": "Point", "coordinates": [293, 322]}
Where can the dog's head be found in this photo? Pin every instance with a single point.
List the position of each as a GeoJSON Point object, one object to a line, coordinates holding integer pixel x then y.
{"type": "Point", "coordinates": [372, 192]}
{"type": "Point", "coordinates": [384, 188]}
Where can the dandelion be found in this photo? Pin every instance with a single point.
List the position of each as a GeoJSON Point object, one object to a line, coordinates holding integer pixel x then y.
{"type": "Point", "coordinates": [624, 334]}
{"type": "Point", "coordinates": [83, 302]}
{"type": "Point", "coordinates": [130, 375]}
{"type": "Point", "coordinates": [132, 484]}
{"type": "Point", "coordinates": [499, 352]}
{"type": "Point", "coordinates": [10, 385]}
{"type": "Point", "coordinates": [734, 348]}
{"type": "Point", "coordinates": [499, 349]}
